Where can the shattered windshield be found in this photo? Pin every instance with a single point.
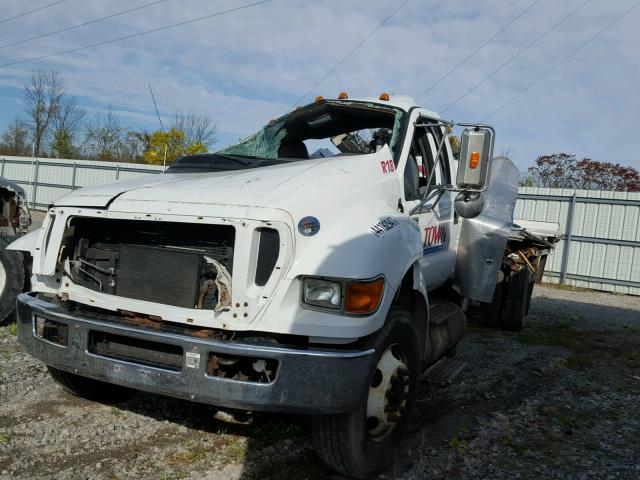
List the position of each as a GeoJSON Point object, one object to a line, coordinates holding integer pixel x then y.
{"type": "Point", "coordinates": [324, 129]}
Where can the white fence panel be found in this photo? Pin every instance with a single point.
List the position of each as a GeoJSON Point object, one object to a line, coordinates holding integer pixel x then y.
{"type": "Point", "coordinates": [47, 179]}
{"type": "Point", "coordinates": [600, 247]}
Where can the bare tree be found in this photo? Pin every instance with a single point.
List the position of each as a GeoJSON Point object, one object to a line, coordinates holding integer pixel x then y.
{"type": "Point", "coordinates": [506, 151]}
{"type": "Point", "coordinates": [15, 139]}
{"type": "Point", "coordinates": [43, 94]}
{"type": "Point", "coordinates": [197, 128]}
{"type": "Point", "coordinates": [103, 137]}
{"type": "Point", "coordinates": [69, 116]}
{"type": "Point", "coordinates": [133, 145]}
{"type": "Point", "coordinates": [66, 125]}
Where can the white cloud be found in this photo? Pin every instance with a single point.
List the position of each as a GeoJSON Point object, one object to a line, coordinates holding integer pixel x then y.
{"type": "Point", "coordinates": [247, 67]}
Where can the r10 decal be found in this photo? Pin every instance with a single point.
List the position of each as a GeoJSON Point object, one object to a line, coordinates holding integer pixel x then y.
{"type": "Point", "coordinates": [387, 166]}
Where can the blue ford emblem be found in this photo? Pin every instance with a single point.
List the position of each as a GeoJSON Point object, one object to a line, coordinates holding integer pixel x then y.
{"type": "Point", "coordinates": [308, 226]}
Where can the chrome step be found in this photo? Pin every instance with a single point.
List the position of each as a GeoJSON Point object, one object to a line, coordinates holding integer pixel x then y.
{"type": "Point", "coordinates": [443, 373]}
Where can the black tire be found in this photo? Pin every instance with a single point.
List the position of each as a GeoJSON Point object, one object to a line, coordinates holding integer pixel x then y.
{"type": "Point", "coordinates": [491, 313]}
{"type": "Point", "coordinates": [12, 278]}
{"type": "Point", "coordinates": [89, 388]}
{"type": "Point", "coordinates": [529, 295]}
{"type": "Point", "coordinates": [343, 441]}
{"type": "Point", "coordinates": [517, 298]}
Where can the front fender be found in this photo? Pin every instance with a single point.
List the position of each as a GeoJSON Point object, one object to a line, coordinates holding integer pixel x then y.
{"type": "Point", "coordinates": [364, 248]}
{"type": "Point", "coordinates": [420, 284]}
{"type": "Point", "coordinates": [26, 243]}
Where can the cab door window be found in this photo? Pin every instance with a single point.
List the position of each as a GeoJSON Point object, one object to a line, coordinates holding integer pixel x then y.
{"type": "Point", "coordinates": [421, 162]}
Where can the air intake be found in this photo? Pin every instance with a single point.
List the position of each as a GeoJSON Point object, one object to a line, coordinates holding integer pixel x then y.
{"type": "Point", "coordinates": [268, 253]}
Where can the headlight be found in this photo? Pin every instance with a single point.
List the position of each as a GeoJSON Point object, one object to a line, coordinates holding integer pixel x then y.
{"type": "Point", "coordinates": [24, 221]}
{"type": "Point", "coordinates": [322, 293]}
{"type": "Point", "coordinates": [351, 297]}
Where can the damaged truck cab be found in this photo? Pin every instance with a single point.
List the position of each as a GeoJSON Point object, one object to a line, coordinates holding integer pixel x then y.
{"type": "Point", "coordinates": [263, 277]}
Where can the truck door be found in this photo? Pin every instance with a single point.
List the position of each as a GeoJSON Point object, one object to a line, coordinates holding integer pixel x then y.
{"type": "Point", "coordinates": [436, 221]}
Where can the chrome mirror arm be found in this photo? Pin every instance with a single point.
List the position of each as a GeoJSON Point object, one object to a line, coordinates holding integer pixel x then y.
{"type": "Point", "coordinates": [436, 193]}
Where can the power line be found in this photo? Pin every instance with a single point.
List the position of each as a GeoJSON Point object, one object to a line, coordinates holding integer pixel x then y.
{"type": "Point", "coordinates": [153, 97]}
{"type": "Point", "coordinates": [133, 35]}
{"type": "Point", "coordinates": [73, 27]}
{"type": "Point", "coordinates": [520, 52]}
{"type": "Point", "coordinates": [554, 67]}
{"type": "Point", "coordinates": [351, 52]}
{"type": "Point", "coordinates": [484, 44]}
{"type": "Point", "coordinates": [32, 11]}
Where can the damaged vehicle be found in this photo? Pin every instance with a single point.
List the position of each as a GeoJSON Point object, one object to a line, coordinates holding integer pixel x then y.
{"type": "Point", "coordinates": [15, 218]}
{"type": "Point", "coordinates": [323, 266]}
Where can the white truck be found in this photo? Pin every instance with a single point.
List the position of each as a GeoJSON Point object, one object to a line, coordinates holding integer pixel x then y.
{"type": "Point", "coordinates": [264, 278]}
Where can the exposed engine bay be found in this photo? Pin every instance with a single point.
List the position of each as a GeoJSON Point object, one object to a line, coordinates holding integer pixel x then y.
{"type": "Point", "coordinates": [184, 265]}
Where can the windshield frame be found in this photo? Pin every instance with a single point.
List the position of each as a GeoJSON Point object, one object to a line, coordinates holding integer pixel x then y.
{"type": "Point", "coordinates": [265, 142]}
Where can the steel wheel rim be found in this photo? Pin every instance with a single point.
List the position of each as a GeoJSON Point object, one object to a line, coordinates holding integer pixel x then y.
{"type": "Point", "coordinates": [388, 393]}
{"type": "Point", "coordinates": [3, 278]}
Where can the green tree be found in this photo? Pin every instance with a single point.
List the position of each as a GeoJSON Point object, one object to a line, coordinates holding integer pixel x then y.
{"type": "Point", "coordinates": [176, 146]}
{"type": "Point", "coordinates": [62, 144]}
{"type": "Point", "coordinates": [455, 145]}
{"type": "Point", "coordinates": [65, 129]}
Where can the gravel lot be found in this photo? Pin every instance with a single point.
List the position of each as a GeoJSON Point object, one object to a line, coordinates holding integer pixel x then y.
{"type": "Point", "coordinates": [559, 400]}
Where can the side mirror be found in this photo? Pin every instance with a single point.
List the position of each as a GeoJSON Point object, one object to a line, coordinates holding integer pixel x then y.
{"type": "Point", "coordinates": [476, 151]}
{"type": "Point", "coordinates": [469, 204]}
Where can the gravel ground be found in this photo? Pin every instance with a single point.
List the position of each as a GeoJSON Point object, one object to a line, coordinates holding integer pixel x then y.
{"type": "Point", "coordinates": [558, 400]}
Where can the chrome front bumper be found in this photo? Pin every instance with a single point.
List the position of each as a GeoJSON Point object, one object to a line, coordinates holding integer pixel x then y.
{"type": "Point", "coordinates": [307, 380]}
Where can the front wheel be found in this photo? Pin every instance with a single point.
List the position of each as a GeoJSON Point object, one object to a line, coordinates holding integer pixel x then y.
{"type": "Point", "coordinates": [363, 442]}
{"type": "Point", "coordinates": [89, 388]}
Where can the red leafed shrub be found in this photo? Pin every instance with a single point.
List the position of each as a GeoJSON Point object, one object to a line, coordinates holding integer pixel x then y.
{"type": "Point", "coordinates": [563, 170]}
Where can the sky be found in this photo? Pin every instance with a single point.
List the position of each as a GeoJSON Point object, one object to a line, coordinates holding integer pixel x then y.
{"type": "Point", "coordinates": [246, 67]}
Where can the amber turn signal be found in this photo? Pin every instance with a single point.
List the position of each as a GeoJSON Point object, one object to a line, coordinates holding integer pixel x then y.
{"type": "Point", "coordinates": [474, 159]}
{"type": "Point", "coordinates": [363, 297]}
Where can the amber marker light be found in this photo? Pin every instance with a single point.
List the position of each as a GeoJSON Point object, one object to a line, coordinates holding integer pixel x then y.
{"type": "Point", "coordinates": [384, 96]}
{"type": "Point", "coordinates": [319, 98]}
{"type": "Point", "coordinates": [343, 96]}
{"type": "Point", "coordinates": [362, 298]}
{"type": "Point", "coordinates": [474, 159]}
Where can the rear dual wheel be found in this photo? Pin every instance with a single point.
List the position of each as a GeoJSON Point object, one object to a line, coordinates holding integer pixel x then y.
{"type": "Point", "coordinates": [363, 442]}
{"type": "Point", "coordinates": [491, 313]}
{"type": "Point", "coordinates": [518, 298]}
{"type": "Point", "coordinates": [510, 303]}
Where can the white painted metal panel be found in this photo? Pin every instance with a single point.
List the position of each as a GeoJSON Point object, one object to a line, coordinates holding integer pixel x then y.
{"type": "Point", "coordinates": [595, 259]}
{"type": "Point", "coordinates": [609, 257]}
